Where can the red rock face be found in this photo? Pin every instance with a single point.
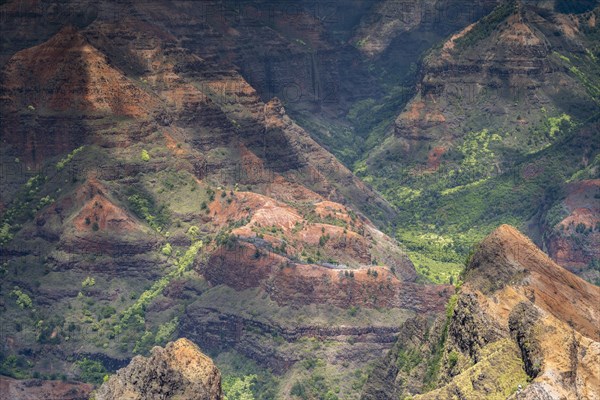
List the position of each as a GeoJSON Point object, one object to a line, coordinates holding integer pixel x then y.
{"type": "Point", "coordinates": [434, 158]}
{"type": "Point", "coordinates": [68, 73]}
{"type": "Point", "coordinates": [242, 266]}
{"type": "Point", "coordinates": [506, 256]}
{"type": "Point", "coordinates": [51, 91]}
{"type": "Point", "coordinates": [573, 242]}
{"type": "Point", "coordinates": [471, 82]}
{"type": "Point", "coordinates": [513, 294]}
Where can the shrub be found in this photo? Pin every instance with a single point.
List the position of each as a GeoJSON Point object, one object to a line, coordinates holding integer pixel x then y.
{"type": "Point", "coordinates": [167, 249]}
{"type": "Point", "coordinates": [145, 209]}
{"type": "Point", "coordinates": [144, 343]}
{"type": "Point", "coordinates": [452, 359]}
{"type": "Point", "coordinates": [61, 164]}
{"type": "Point", "coordinates": [323, 239]}
{"type": "Point", "coordinates": [106, 312]}
{"type": "Point", "coordinates": [299, 389]}
{"type": "Point", "coordinates": [88, 282]}
{"type": "Point", "coordinates": [145, 156]}
{"type": "Point", "coordinates": [165, 331]}
{"type": "Point", "coordinates": [91, 371]}
{"type": "Point", "coordinates": [15, 366]}
{"type": "Point", "coordinates": [239, 388]}
{"type": "Point", "coordinates": [23, 299]}
{"type": "Point", "coordinates": [193, 232]}
{"type": "Point", "coordinates": [48, 331]}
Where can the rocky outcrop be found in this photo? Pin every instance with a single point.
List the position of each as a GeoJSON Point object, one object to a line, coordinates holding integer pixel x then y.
{"type": "Point", "coordinates": [510, 75]}
{"type": "Point", "coordinates": [470, 71]}
{"type": "Point", "coordinates": [521, 322]}
{"type": "Point", "coordinates": [190, 137]}
{"type": "Point", "coordinates": [470, 330]}
{"type": "Point", "coordinates": [38, 89]}
{"type": "Point", "coordinates": [507, 258]}
{"type": "Point", "coordinates": [518, 309]}
{"type": "Point", "coordinates": [178, 371]}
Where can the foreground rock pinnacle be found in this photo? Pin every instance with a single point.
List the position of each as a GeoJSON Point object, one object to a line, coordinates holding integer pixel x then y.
{"type": "Point", "coordinates": [177, 371]}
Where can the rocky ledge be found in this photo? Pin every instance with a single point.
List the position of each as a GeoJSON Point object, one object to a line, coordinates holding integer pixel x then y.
{"type": "Point", "coordinates": [177, 371]}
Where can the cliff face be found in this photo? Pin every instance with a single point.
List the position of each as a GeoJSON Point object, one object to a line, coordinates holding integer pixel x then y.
{"type": "Point", "coordinates": [390, 21]}
{"type": "Point", "coordinates": [516, 308]}
{"type": "Point", "coordinates": [506, 63]}
{"type": "Point", "coordinates": [287, 282]}
{"type": "Point", "coordinates": [572, 241]}
{"type": "Point", "coordinates": [178, 371]}
{"type": "Point", "coordinates": [156, 184]}
{"type": "Point", "coordinates": [497, 105]}
{"type": "Point", "coordinates": [148, 176]}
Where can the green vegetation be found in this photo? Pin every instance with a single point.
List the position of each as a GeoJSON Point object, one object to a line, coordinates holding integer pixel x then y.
{"type": "Point", "coordinates": [407, 360]}
{"type": "Point", "coordinates": [88, 282]}
{"type": "Point", "coordinates": [144, 343]}
{"type": "Point", "coordinates": [488, 175]}
{"type": "Point", "coordinates": [167, 249]}
{"type": "Point", "coordinates": [16, 366]}
{"type": "Point", "coordinates": [145, 208]}
{"type": "Point", "coordinates": [484, 379]}
{"type": "Point", "coordinates": [166, 331]}
{"type": "Point", "coordinates": [91, 371]}
{"type": "Point", "coordinates": [473, 192]}
{"type": "Point", "coordinates": [592, 88]}
{"type": "Point", "coordinates": [24, 206]}
{"type": "Point", "coordinates": [239, 388]}
{"type": "Point", "coordinates": [244, 379]}
{"type": "Point", "coordinates": [434, 363]}
{"type": "Point", "coordinates": [23, 300]}
{"type": "Point", "coordinates": [145, 156]}
{"type": "Point", "coordinates": [556, 124]}
{"type": "Point", "coordinates": [477, 158]}
{"type": "Point", "coordinates": [181, 265]}
{"type": "Point", "coordinates": [61, 164]}
{"type": "Point", "coordinates": [313, 387]}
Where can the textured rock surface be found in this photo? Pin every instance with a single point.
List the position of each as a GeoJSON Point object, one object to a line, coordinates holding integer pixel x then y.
{"type": "Point", "coordinates": [573, 241]}
{"type": "Point", "coordinates": [178, 371]}
{"type": "Point", "coordinates": [175, 103]}
{"type": "Point", "coordinates": [392, 20]}
{"type": "Point", "coordinates": [13, 389]}
{"type": "Point", "coordinates": [517, 309]}
{"type": "Point", "coordinates": [243, 266]}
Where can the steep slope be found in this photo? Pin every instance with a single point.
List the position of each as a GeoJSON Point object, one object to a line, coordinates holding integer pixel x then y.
{"type": "Point", "coordinates": [177, 371]}
{"type": "Point", "coordinates": [506, 65]}
{"type": "Point", "coordinates": [38, 90]}
{"type": "Point", "coordinates": [497, 104]}
{"type": "Point", "coordinates": [172, 201]}
{"type": "Point", "coordinates": [390, 21]}
{"type": "Point", "coordinates": [573, 230]}
{"type": "Point", "coordinates": [154, 187]}
{"type": "Point", "coordinates": [516, 308]}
